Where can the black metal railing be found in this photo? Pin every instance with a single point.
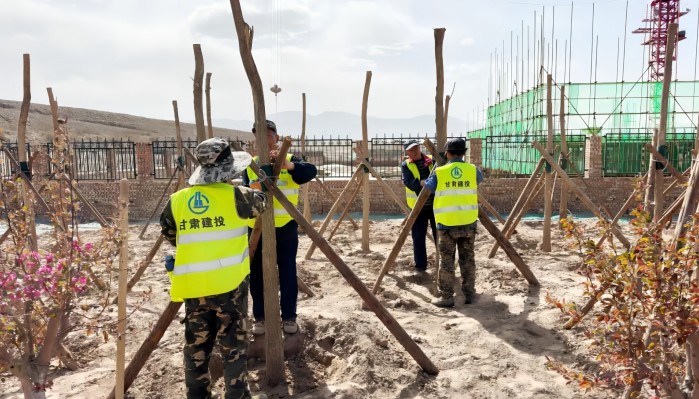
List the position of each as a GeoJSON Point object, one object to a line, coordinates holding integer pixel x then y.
{"type": "Point", "coordinates": [7, 167]}
{"type": "Point", "coordinates": [625, 154]}
{"type": "Point", "coordinates": [102, 159]}
{"type": "Point", "coordinates": [165, 157]}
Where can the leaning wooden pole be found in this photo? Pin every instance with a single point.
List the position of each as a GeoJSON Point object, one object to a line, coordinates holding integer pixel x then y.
{"type": "Point", "coordinates": [366, 194]}
{"type": "Point", "coordinates": [180, 154]}
{"type": "Point", "coordinates": [662, 130]}
{"type": "Point", "coordinates": [548, 184]}
{"type": "Point", "coordinates": [565, 158]}
{"type": "Point", "coordinates": [329, 195]}
{"type": "Point", "coordinates": [274, 349]}
{"type": "Point", "coordinates": [197, 91]}
{"type": "Point", "coordinates": [207, 92]}
{"type": "Point", "coordinates": [123, 271]}
{"type": "Point", "coordinates": [335, 207]}
{"type": "Point", "coordinates": [372, 302]}
{"type": "Point", "coordinates": [581, 195]}
{"type": "Point", "coordinates": [148, 346]}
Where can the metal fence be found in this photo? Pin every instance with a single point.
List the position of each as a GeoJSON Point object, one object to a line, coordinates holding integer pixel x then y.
{"type": "Point", "coordinates": [7, 167]}
{"type": "Point", "coordinates": [103, 160]}
{"type": "Point", "coordinates": [625, 154]}
{"type": "Point", "coordinates": [514, 156]}
{"type": "Point", "coordinates": [165, 157]}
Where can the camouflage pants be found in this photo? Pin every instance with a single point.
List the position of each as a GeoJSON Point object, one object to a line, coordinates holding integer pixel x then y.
{"type": "Point", "coordinates": [462, 238]}
{"type": "Point", "coordinates": [222, 316]}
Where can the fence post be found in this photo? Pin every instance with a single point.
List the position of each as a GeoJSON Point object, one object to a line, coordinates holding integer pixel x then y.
{"type": "Point", "coordinates": [475, 149]}
{"type": "Point", "coordinates": [593, 157]}
{"type": "Point", "coordinates": [144, 161]}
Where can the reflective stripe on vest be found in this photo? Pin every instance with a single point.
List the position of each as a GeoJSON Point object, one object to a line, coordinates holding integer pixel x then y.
{"type": "Point", "coordinates": [456, 196]}
{"type": "Point", "coordinates": [288, 186]}
{"type": "Point", "coordinates": [212, 236]}
{"type": "Point", "coordinates": [410, 196]}
{"type": "Point", "coordinates": [199, 267]}
{"type": "Point", "coordinates": [212, 245]}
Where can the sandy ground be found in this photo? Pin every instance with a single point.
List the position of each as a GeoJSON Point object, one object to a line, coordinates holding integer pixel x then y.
{"type": "Point", "coordinates": [493, 348]}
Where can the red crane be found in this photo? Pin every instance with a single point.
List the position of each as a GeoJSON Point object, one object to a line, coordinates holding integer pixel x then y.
{"type": "Point", "coordinates": [662, 14]}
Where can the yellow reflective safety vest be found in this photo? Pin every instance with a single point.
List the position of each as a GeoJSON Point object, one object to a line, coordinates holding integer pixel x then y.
{"type": "Point", "coordinates": [456, 196]}
{"type": "Point", "coordinates": [410, 195]}
{"type": "Point", "coordinates": [288, 186]}
{"type": "Point", "coordinates": [212, 242]}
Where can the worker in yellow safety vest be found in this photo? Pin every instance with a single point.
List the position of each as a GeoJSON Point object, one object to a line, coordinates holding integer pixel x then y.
{"type": "Point", "coordinates": [295, 171]}
{"type": "Point", "coordinates": [211, 267]}
{"type": "Point", "coordinates": [415, 170]}
{"type": "Point", "coordinates": [455, 188]}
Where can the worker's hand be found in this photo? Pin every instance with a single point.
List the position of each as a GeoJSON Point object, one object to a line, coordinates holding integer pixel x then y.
{"type": "Point", "coordinates": [256, 185]}
{"type": "Point", "coordinates": [422, 183]}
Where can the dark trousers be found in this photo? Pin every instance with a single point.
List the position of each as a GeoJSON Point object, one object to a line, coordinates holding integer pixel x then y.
{"type": "Point", "coordinates": [419, 233]}
{"type": "Point", "coordinates": [287, 246]}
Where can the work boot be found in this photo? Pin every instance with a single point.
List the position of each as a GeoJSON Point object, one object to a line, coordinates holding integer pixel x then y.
{"type": "Point", "coordinates": [444, 303]}
{"type": "Point", "coordinates": [258, 328]}
{"type": "Point", "coordinates": [290, 326]}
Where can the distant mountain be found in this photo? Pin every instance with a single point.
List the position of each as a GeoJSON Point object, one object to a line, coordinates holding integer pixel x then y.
{"type": "Point", "coordinates": [345, 124]}
{"type": "Point", "coordinates": [92, 124]}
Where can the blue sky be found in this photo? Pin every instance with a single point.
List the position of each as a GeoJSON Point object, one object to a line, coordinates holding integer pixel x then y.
{"type": "Point", "coordinates": [135, 56]}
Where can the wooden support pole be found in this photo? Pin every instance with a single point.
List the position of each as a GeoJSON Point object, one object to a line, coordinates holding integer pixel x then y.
{"type": "Point", "coordinates": [123, 271]}
{"type": "Point", "coordinates": [333, 198]}
{"type": "Point", "coordinates": [144, 265]}
{"type": "Point", "coordinates": [395, 250]}
{"type": "Point", "coordinates": [689, 207]}
{"type": "Point", "coordinates": [304, 189]}
{"type": "Point", "coordinates": [622, 212]}
{"type": "Point", "coordinates": [507, 247]}
{"type": "Point", "coordinates": [518, 205]}
{"type": "Point", "coordinates": [372, 302]}
{"type": "Point", "coordinates": [565, 160]}
{"type": "Point", "coordinates": [148, 346]}
{"type": "Point", "coordinates": [488, 207]}
{"type": "Point", "coordinates": [100, 219]}
{"type": "Point", "coordinates": [178, 137]}
{"type": "Point", "coordinates": [660, 158]}
{"type": "Point", "coordinates": [401, 204]}
{"type": "Point", "coordinates": [334, 208]}
{"type": "Point", "coordinates": [198, 88]}
{"type": "Point", "coordinates": [439, 95]}
{"type": "Point", "coordinates": [581, 195]}
{"type": "Point", "coordinates": [207, 92]}
{"type": "Point", "coordinates": [667, 79]}
{"type": "Point", "coordinates": [166, 190]}
{"type": "Point", "coordinates": [22, 151]}
{"type": "Point", "coordinates": [366, 196]}
{"type": "Point", "coordinates": [517, 216]}
{"type": "Point", "coordinates": [648, 196]}
{"type": "Point", "coordinates": [274, 349]}
{"type": "Point", "coordinates": [345, 212]}
{"type": "Point", "coordinates": [548, 185]}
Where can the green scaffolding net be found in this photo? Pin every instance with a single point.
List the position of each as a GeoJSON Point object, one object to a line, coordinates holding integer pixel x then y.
{"type": "Point", "coordinates": [623, 114]}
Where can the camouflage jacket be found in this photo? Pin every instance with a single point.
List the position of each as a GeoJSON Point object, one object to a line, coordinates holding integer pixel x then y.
{"type": "Point", "coordinates": [249, 203]}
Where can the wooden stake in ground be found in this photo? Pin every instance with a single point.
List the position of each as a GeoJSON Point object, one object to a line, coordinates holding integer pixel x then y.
{"type": "Point", "coordinates": [198, 88]}
{"type": "Point", "coordinates": [123, 271]}
{"type": "Point", "coordinates": [274, 354]}
{"type": "Point", "coordinates": [366, 199]}
{"type": "Point", "coordinates": [565, 157]}
{"type": "Point", "coordinates": [548, 184]}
